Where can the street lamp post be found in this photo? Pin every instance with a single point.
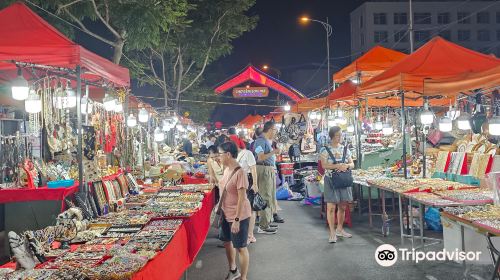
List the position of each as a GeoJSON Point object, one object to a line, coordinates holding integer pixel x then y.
{"type": "Point", "coordinates": [267, 67]}
{"type": "Point", "coordinates": [329, 31]}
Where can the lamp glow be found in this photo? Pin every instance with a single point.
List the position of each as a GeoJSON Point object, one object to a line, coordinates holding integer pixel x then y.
{"type": "Point", "coordinates": [20, 88]}
{"type": "Point", "coordinates": [350, 128]}
{"type": "Point", "coordinates": [70, 97]}
{"type": "Point", "coordinates": [313, 115]}
{"type": "Point", "coordinates": [445, 124]}
{"type": "Point", "coordinates": [287, 107]}
{"type": "Point", "coordinates": [143, 115]}
{"type": "Point", "coordinates": [131, 121]}
{"type": "Point", "coordinates": [159, 135]}
{"type": "Point", "coordinates": [387, 129]}
{"type": "Point", "coordinates": [118, 107]}
{"type": "Point", "coordinates": [426, 117]}
{"type": "Point", "coordinates": [332, 123]}
{"type": "Point", "coordinates": [109, 103]}
{"type": "Point", "coordinates": [494, 126]}
{"type": "Point", "coordinates": [86, 106]}
{"type": "Point", "coordinates": [463, 122]}
{"type": "Point", "coordinates": [378, 125]}
{"type": "Point", "coordinates": [33, 104]}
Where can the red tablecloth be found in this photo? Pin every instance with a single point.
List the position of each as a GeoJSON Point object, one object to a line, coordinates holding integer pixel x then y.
{"type": "Point", "coordinates": [23, 195]}
{"type": "Point", "coordinates": [193, 180]}
{"type": "Point", "coordinates": [180, 253]}
{"type": "Point", "coordinates": [183, 248]}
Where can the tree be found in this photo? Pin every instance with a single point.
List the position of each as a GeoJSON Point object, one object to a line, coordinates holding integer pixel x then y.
{"type": "Point", "coordinates": [176, 65]}
{"type": "Point", "coordinates": [127, 24]}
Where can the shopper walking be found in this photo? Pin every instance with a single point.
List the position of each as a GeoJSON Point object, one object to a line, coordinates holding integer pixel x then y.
{"type": "Point", "coordinates": [235, 138]}
{"type": "Point", "coordinates": [247, 162]}
{"type": "Point", "coordinates": [336, 198]}
{"type": "Point", "coordinates": [236, 212]}
{"type": "Point", "coordinates": [266, 175]}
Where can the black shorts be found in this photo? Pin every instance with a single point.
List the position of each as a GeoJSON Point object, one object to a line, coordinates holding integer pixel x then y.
{"type": "Point", "coordinates": [240, 239]}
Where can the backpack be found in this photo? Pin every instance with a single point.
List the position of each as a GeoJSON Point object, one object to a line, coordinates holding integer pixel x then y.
{"type": "Point", "coordinates": [294, 152]}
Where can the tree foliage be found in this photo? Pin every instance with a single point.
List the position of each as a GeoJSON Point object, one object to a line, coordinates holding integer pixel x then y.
{"type": "Point", "coordinates": [177, 64]}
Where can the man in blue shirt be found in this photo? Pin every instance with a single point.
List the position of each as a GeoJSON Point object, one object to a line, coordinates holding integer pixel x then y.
{"type": "Point", "coordinates": [266, 175]}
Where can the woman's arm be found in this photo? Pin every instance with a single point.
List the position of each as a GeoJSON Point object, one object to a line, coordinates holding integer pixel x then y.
{"type": "Point", "coordinates": [211, 173]}
{"type": "Point", "coordinates": [326, 165]}
{"type": "Point", "coordinates": [254, 186]}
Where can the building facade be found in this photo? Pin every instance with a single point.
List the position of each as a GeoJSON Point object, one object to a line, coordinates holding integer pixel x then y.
{"type": "Point", "coordinates": [472, 24]}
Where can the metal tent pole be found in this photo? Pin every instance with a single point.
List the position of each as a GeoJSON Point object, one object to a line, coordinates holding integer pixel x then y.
{"type": "Point", "coordinates": [403, 127]}
{"type": "Point", "coordinates": [79, 124]}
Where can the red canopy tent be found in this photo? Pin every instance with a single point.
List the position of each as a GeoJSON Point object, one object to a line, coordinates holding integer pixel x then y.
{"type": "Point", "coordinates": [26, 37]}
{"type": "Point", "coordinates": [438, 59]}
{"type": "Point", "coordinates": [372, 63]}
{"type": "Point", "coordinates": [346, 91]}
{"type": "Point", "coordinates": [251, 73]}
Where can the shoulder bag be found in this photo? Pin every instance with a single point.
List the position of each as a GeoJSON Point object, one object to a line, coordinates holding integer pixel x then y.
{"type": "Point", "coordinates": [218, 212]}
{"type": "Point", "coordinates": [338, 179]}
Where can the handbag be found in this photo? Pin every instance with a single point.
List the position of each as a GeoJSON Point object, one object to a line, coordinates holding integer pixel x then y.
{"type": "Point", "coordinates": [218, 212]}
{"type": "Point", "coordinates": [307, 143]}
{"type": "Point", "coordinates": [340, 180]}
{"type": "Point", "coordinates": [257, 202]}
{"type": "Point", "coordinates": [282, 136]}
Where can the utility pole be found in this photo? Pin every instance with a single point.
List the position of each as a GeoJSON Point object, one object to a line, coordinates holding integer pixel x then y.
{"type": "Point", "coordinates": [328, 34]}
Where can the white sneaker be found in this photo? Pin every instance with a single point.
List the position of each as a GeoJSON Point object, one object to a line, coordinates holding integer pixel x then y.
{"type": "Point", "coordinates": [343, 234]}
{"type": "Point", "coordinates": [332, 239]}
{"type": "Point", "coordinates": [233, 276]}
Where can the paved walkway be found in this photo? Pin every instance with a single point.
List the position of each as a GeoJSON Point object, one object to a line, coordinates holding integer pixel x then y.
{"type": "Point", "coordinates": [300, 251]}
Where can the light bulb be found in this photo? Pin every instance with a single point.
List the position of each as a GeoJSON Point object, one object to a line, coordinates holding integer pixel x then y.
{"type": "Point", "coordinates": [131, 121]}
{"type": "Point", "coordinates": [143, 115]}
{"type": "Point", "coordinates": [109, 103]}
{"type": "Point", "coordinates": [426, 117]}
{"type": "Point", "coordinates": [494, 126]}
{"type": "Point", "coordinates": [86, 106]}
{"type": "Point", "coordinates": [33, 104]}
{"type": "Point", "coordinates": [70, 97]}
{"type": "Point", "coordinates": [118, 107]}
{"type": "Point", "coordinates": [445, 124]}
{"type": "Point", "coordinates": [340, 113]}
{"type": "Point", "coordinates": [387, 129]}
{"type": "Point", "coordinates": [350, 128]}
{"type": "Point", "coordinates": [378, 125]}
{"type": "Point", "coordinates": [287, 107]}
{"type": "Point", "coordinates": [463, 122]}
{"type": "Point", "coordinates": [20, 88]}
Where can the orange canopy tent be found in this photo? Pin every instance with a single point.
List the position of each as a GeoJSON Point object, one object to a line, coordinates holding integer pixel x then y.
{"type": "Point", "coordinates": [372, 63]}
{"type": "Point", "coordinates": [346, 91]}
{"type": "Point", "coordinates": [438, 59]}
{"type": "Point", "coordinates": [250, 120]}
{"type": "Point", "coordinates": [488, 79]}
{"type": "Point", "coordinates": [306, 105]}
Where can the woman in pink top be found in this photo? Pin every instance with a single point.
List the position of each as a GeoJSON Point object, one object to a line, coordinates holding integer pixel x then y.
{"type": "Point", "coordinates": [237, 211]}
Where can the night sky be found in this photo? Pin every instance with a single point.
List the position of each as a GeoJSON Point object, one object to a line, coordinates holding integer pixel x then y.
{"type": "Point", "coordinates": [281, 41]}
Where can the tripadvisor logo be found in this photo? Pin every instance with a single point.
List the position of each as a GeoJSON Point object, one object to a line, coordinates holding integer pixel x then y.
{"type": "Point", "coordinates": [386, 255]}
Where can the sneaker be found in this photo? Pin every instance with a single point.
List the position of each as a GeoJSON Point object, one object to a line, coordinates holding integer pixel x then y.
{"type": "Point", "coordinates": [343, 234]}
{"type": "Point", "coordinates": [332, 239]}
{"type": "Point", "coordinates": [267, 230]}
{"type": "Point", "coordinates": [251, 240]}
{"type": "Point", "coordinates": [278, 219]}
{"type": "Point", "coordinates": [233, 276]}
{"type": "Point", "coordinates": [273, 226]}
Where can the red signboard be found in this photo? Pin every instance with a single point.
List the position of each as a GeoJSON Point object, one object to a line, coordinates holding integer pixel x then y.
{"type": "Point", "coordinates": [248, 92]}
